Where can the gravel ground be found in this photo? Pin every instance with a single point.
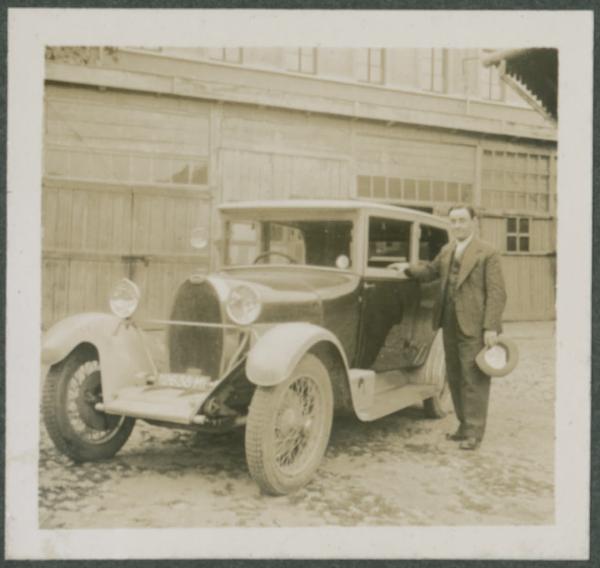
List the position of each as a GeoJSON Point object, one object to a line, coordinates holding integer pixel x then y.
{"type": "Point", "coordinates": [399, 470]}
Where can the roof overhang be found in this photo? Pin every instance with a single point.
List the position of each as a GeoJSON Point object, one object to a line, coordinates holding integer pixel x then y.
{"type": "Point", "coordinates": [533, 73]}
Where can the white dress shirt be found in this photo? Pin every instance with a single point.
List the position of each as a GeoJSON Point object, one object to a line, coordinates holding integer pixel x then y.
{"type": "Point", "coordinates": [461, 246]}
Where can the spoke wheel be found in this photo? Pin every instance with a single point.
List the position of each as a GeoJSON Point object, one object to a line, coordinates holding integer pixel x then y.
{"type": "Point", "coordinates": [440, 404]}
{"type": "Point", "coordinates": [72, 389]}
{"type": "Point", "coordinates": [288, 428]}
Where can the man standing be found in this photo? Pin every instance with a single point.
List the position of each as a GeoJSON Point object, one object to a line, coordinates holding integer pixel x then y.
{"type": "Point", "coordinates": [470, 314]}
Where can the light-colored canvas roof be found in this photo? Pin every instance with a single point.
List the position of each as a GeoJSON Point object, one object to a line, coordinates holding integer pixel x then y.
{"type": "Point", "coordinates": [324, 204]}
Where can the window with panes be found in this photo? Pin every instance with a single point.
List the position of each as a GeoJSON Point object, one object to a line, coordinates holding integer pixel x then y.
{"type": "Point", "coordinates": [371, 65]}
{"type": "Point", "coordinates": [227, 54]}
{"type": "Point", "coordinates": [517, 234]}
{"type": "Point", "coordinates": [432, 70]}
{"type": "Point", "coordinates": [408, 190]}
{"type": "Point", "coordinates": [166, 143]}
{"type": "Point", "coordinates": [491, 86]}
{"type": "Point", "coordinates": [518, 181]}
{"type": "Point", "coordinates": [302, 60]}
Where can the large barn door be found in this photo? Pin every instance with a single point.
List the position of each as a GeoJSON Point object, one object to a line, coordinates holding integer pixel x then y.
{"type": "Point", "coordinates": [85, 237]}
{"type": "Point", "coordinates": [125, 181]}
{"type": "Point", "coordinates": [161, 256]}
{"type": "Point", "coordinates": [94, 236]}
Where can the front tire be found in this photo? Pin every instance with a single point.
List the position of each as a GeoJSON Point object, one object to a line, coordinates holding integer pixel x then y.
{"type": "Point", "coordinates": [288, 428]}
{"type": "Point", "coordinates": [72, 388]}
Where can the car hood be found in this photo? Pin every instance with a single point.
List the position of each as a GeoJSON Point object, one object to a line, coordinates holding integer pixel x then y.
{"type": "Point", "coordinates": [291, 293]}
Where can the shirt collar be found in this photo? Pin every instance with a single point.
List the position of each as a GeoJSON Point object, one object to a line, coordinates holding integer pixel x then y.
{"type": "Point", "coordinates": [462, 245]}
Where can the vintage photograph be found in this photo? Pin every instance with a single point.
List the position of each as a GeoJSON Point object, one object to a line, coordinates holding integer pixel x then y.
{"type": "Point", "coordinates": [274, 276]}
{"type": "Point", "coordinates": [297, 287]}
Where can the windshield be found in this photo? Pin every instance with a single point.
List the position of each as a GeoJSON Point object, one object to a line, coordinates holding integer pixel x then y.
{"type": "Point", "coordinates": [314, 243]}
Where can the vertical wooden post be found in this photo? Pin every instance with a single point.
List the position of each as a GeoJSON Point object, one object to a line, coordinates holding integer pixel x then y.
{"type": "Point", "coordinates": [352, 191]}
{"type": "Point", "coordinates": [477, 199]}
{"type": "Point", "coordinates": [215, 181]}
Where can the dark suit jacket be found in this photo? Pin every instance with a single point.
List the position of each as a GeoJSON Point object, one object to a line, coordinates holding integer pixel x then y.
{"type": "Point", "coordinates": [480, 295]}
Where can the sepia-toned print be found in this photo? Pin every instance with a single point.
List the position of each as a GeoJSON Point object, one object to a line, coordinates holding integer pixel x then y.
{"type": "Point", "coordinates": [295, 286]}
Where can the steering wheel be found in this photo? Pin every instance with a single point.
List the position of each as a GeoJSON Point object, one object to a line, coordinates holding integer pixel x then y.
{"type": "Point", "coordinates": [271, 252]}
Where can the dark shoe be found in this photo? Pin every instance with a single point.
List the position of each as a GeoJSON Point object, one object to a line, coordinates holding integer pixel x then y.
{"type": "Point", "coordinates": [469, 444]}
{"type": "Point", "coordinates": [456, 437]}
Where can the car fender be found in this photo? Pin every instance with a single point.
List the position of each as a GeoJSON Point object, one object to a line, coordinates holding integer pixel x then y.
{"type": "Point", "coordinates": [277, 351]}
{"type": "Point", "coordinates": [124, 360]}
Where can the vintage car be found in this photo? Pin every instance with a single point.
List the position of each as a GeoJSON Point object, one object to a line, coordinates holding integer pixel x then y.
{"type": "Point", "coordinates": [309, 314]}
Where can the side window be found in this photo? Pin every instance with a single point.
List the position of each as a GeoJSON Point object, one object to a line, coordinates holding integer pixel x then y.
{"type": "Point", "coordinates": [431, 241]}
{"type": "Point", "coordinates": [389, 242]}
{"type": "Point", "coordinates": [243, 244]}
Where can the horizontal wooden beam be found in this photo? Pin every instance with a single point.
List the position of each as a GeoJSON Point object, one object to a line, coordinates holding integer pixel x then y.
{"type": "Point", "coordinates": [308, 94]}
{"type": "Point", "coordinates": [202, 192]}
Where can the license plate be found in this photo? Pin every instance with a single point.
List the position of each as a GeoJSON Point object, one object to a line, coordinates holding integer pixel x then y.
{"type": "Point", "coordinates": [183, 381]}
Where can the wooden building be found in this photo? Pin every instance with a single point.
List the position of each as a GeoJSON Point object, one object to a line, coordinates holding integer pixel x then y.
{"type": "Point", "coordinates": [141, 145]}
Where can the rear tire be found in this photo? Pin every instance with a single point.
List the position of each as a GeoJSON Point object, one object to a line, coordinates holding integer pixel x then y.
{"type": "Point", "coordinates": [434, 373]}
{"type": "Point", "coordinates": [288, 428]}
{"type": "Point", "coordinates": [71, 390]}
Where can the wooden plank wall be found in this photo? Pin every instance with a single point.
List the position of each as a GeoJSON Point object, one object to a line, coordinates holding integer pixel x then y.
{"type": "Point", "coordinates": [123, 177]}
{"type": "Point", "coordinates": [278, 154]}
{"type": "Point", "coordinates": [392, 156]}
{"type": "Point", "coordinates": [85, 232]}
{"type": "Point", "coordinates": [530, 277]}
{"type": "Point", "coordinates": [250, 175]}
{"type": "Point", "coordinates": [530, 284]}
{"type": "Point", "coordinates": [542, 233]}
{"type": "Point", "coordinates": [162, 224]}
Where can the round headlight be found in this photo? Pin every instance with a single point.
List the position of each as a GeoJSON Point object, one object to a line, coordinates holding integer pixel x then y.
{"type": "Point", "coordinates": [243, 305]}
{"type": "Point", "coordinates": [124, 298]}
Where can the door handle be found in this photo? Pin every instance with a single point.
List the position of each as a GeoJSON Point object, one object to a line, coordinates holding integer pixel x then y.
{"type": "Point", "coordinates": [368, 286]}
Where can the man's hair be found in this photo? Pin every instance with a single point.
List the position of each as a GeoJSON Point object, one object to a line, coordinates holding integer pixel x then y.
{"type": "Point", "coordinates": [470, 209]}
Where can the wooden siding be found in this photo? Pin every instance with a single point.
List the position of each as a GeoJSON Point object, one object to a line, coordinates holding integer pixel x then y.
{"type": "Point", "coordinates": [542, 233]}
{"type": "Point", "coordinates": [236, 84]}
{"type": "Point", "coordinates": [125, 183]}
{"type": "Point", "coordinates": [530, 277]}
{"type": "Point", "coordinates": [286, 132]}
{"type": "Point", "coordinates": [79, 219]}
{"type": "Point", "coordinates": [136, 220]}
{"type": "Point", "coordinates": [406, 158]}
{"type": "Point", "coordinates": [257, 175]}
{"type": "Point", "coordinates": [93, 236]}
{"type": "Point", "coordinates": [278, 154]}
{"type": "Point", "coordinates": [530, 284]}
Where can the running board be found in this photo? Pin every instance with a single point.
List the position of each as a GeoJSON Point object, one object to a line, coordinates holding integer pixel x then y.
{"type": "Point", "coordinates": [168, 404]}
{"type": "Point", "coordinates": [378, 394]}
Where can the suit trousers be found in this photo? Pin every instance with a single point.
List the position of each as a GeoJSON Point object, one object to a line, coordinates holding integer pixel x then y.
{"type": "Point", "coordinates": [469, 386]}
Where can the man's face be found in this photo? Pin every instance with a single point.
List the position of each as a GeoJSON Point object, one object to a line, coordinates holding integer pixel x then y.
{"type": "Point", "coordinates": [461, 224]}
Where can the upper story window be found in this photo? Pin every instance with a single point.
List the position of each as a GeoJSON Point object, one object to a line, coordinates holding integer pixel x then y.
{"type": "Point", "coordinates": [371, 65]}
{"type": "Point", "coordinates": [84, 139]}
{"type": "Point", "coordinates": [491, 86]}
{"type": "Point", "coordinates": [302, 60]}
{"type": "Point", "coordinates": [518, 181]}
{"type": "Point", "coordinates": [227, 54]}
{"type": "Point", "coordinates": [432, 70]}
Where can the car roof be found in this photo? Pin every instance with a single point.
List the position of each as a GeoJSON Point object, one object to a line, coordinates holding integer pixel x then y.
{"type": "Point", "coordinates": [328, 205]}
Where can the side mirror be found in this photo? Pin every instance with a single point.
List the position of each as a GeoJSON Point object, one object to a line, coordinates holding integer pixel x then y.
{"type": "Point", "coordinates": [199, 238]}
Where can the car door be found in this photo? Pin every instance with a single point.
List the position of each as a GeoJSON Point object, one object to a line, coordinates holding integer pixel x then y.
{"type": "Point", "coordinates": [431, 238]}
{"type": "Point", "coordinates": [389, 298]}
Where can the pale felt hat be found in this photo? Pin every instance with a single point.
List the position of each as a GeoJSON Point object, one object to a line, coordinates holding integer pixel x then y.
{"type": "Point", "coordinates": [499, 360]}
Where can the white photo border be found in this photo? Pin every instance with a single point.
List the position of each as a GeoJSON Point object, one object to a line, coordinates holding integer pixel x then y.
{"type": "Point", "coordinates": [30, 30]}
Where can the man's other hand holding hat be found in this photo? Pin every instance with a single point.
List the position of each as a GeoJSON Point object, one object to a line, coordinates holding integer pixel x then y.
{"type": "Point", "coordinates": [490, 337]}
